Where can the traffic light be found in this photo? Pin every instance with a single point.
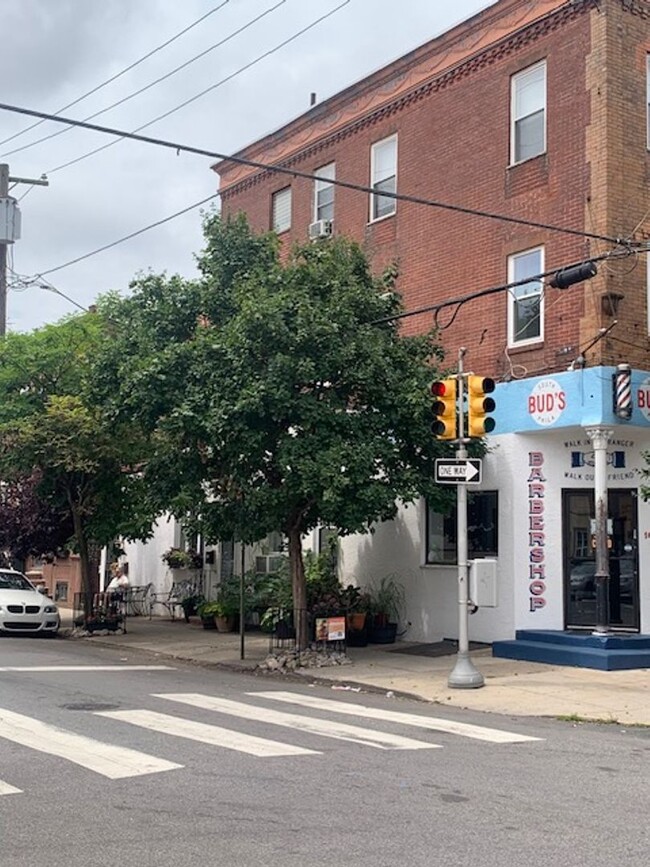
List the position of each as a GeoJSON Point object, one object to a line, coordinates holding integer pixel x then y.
{"type": "Point", "coordinates": [444, 393]}
{"type": "Point", "coordinates": [575, 274]}
{"type": "Point", "coordinates": [479, 406]}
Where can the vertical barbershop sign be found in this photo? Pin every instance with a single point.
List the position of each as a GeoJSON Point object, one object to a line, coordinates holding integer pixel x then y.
{"type": "Point", "coordinates": [536, 534]}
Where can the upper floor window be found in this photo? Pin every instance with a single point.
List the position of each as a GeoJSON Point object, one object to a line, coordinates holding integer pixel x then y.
{"type": "Point", "coordinates": [324, 193]}
{"type": "Point", "coordinates": [528, 113]}
{"type": "Point", "coordinates": [383, 177]}
{"type": "Point", "coordinates": [281, 210]}
{"type": "Point", "coordinates": [525, 304]}
{"type": "Point", "coordinates": [482, 529]}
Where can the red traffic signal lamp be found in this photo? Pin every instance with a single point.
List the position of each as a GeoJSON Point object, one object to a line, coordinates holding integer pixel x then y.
{"type": "Point", "coordinates": [444, 393]}
{"type": "Point", "coordinates": [480, 405]}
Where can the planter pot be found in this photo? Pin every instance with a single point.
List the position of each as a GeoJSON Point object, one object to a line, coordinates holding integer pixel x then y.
{"type": "Point", "coordinates": [383, 634]}
{"type": "Point", "coordinates": [224, 624]}
{"type": "Point", "coordinates": [357, 637]}
{"type": "Point", "coordinates": [356, 621]}
{"type": "Point", "coordinates": [208, 623]}
{"type": "Point", "coordinates": [110, 623]}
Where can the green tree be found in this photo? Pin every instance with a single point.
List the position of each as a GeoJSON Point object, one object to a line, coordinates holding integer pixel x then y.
{"type": "Point", "coordinates": [81, 462]}
{"type": "Point", "coordinates": [274, 397]}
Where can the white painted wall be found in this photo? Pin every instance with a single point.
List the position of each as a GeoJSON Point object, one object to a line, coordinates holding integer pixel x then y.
{"type": "Point", "coordinates": [432, 607]}
{"type": "Point", "coordinates": [145, 558]}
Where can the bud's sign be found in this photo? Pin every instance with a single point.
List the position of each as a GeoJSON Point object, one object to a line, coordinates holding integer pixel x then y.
{"type": "Point", "coordinates": [643, 398]}
{"type": "Point", "coordinates": [546, 402]}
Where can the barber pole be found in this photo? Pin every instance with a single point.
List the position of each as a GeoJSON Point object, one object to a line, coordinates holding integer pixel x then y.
{"type": "Point", "coordinates": [623, 391]}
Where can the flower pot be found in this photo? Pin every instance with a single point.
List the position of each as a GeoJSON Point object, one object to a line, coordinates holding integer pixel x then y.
{"type": "Point", "coordinates": [356, 621]}
{"type": "Point", "coordinates": [383, 634]}
{"type": "Point", "coordinates": [208, 623]}
{"type": "Point", "coordinates": [357, 637]}
{"type": "Point", "coordinates": [224, 624]}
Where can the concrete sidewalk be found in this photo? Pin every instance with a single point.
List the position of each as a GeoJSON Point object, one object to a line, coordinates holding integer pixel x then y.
{"type": "Point", "coordinates": [511, 687]}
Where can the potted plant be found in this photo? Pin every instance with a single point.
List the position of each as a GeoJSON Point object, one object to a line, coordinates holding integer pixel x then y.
{"type": "Point", "coordinates": [387, 601]}
{"type": "Point", "coordinates": [176, 558]}
{"type": "Point", "coordinates": [357, 606]}
{"type": "Point", "coordinates": [190, 605]}
{"type": "Point", "coordinates": [207, 612]}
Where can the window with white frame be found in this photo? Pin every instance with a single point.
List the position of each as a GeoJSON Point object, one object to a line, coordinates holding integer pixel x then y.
{"type": "Point", "coordinates": [528, 113]}
{"type": "Point", "coordinates": [383, 177]}
{"type": "Point", "coordinates": [281, 210]}
{"type": "Point", "coordinates": [324, 193]}
{"type": "Point", "coordinates": [482, 529]}
{"type": "Point", "coordinates": [526, 301]}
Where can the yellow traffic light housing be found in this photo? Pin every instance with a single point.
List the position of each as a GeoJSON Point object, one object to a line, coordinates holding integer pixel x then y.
{"type": "Point", "coordinates": [479, 406]}
{"type": "Point", "coordinates": [444, 409]}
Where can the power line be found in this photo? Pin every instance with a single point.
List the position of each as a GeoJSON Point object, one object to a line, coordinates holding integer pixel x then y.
{"type": "Point", "coordinates": [505, 287]}
{"type": "Point", "coordinates": [148, 86]}
{"type": "Point", "coordinates": [197, 95]}
{"type": "Point", "coordinates": [127, 237]}
{"type": "Point", "coordinates": [113, 77]}
{"type": "Point", "coordinates": [296, 173]}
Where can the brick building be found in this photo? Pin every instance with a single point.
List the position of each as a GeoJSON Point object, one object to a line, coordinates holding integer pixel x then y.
{"type": "Point", "coordinates": [536, 111]}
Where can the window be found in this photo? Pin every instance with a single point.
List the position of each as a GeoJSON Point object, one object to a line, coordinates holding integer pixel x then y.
{"type": "Point", "coordinates": [281, 210]}
{"type": "Point", "coordinates": [528, 113]}
{"type": "Point", "coordinates": [526, 303]}
{"type": "Point", "coordinates": [324, 193]}
{"type": "Point", "coordinates": [482, 529]}
{"type": "Point", "coordinates": [383, 177]}
{"type": "Point", "coordinates": [61, 591]}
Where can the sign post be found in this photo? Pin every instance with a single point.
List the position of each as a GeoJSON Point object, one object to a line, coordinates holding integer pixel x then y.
{"type": "Point", "coordinates": [451, 471]}
{"type": "Point", "coordinates": [464, 674]}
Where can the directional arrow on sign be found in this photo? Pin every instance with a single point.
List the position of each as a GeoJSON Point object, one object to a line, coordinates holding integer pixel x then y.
{"type": "Point", "coordinates": [450, 471]}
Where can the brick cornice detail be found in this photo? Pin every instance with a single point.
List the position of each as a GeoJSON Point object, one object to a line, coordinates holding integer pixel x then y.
{"type": "Point", "coordinates": [637, 7]}
{"type": "Point", "coordinates": [506, 47]}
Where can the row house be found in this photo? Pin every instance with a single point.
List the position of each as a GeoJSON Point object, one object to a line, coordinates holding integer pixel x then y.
{"type": "Point", "coordinates": [530, 120]}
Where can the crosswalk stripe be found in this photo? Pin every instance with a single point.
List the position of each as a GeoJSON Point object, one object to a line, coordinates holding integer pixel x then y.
{"type": "Point", "coordinates": [323, 727]}
{"type": "Point", "coordinates": [481, 733]}
{"type": "Point", "coordinates": [42, 668]}
{"type": "Point", "coordinates": [6, 789]}
{"type": "Point", "coordinates": [206, 734]}
{"type": "Point", "coordinates": [109, 761]}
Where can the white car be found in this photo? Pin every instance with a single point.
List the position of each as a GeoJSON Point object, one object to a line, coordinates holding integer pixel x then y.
{"type": "Point", "coordinates": [23, 608]}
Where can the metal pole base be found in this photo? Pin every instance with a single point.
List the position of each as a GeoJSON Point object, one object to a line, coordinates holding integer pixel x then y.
{"type": "Point", "coordinates": [465, 675]}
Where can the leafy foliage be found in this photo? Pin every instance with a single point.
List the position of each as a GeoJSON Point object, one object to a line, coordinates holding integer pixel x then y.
{"type": "Point", "coordinates": [50, 430]}
{"type": "Point", "coordinates": [29, 524]}
{"type": "Point", "coordinates": [278, 395]}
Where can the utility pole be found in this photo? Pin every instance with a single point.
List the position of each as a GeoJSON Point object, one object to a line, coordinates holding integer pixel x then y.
{"type": "Point", "coordinates": [9, 230]}
{"type": "Point", "coordinates": [464, 675]}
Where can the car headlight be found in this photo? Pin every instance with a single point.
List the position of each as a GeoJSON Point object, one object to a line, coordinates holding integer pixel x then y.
{"type": "Point", "coordinates": [50, 609]}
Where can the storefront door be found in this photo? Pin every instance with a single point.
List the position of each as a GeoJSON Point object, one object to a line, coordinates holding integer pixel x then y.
{"type": "Point", "coordinates": [580, 560]}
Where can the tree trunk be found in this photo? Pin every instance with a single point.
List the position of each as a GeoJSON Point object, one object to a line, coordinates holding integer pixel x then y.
{"type": "Point", "coordinates": [87, 585]}
{"type": "Point", "coordinates": [299, 587]}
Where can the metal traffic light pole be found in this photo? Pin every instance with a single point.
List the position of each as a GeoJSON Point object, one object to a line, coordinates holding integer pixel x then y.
{"type": "Point", "coordinates": [464, 674]}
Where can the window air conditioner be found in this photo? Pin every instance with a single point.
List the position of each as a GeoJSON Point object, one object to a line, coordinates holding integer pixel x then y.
{"type": "Point", "coordinates": [320, 229]}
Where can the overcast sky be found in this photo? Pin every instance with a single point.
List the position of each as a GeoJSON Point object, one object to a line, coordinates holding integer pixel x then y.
{"type": "Point", "coordinates": [55, 51]}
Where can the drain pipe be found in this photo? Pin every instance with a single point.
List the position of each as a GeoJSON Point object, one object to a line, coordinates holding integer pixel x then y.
{"type": "Point", "coordinates": [600, 438]}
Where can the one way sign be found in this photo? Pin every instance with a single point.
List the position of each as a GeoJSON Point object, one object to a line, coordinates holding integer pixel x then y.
{"type": "Point", "coordinates": [450, 471]}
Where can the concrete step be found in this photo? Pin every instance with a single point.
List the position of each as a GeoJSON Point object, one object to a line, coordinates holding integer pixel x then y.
{"type": "Point", "coordinates": [579, 654]}
{"type": "Point", "coordinates": [613, 641]}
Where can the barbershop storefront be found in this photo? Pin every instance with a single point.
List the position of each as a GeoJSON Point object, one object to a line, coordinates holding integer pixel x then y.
{"type": "Point", "coordinates": [534, 512]}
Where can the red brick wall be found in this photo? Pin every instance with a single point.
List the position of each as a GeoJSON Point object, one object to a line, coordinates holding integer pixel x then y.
{"type": "Point", "coordinates": [454, 147]}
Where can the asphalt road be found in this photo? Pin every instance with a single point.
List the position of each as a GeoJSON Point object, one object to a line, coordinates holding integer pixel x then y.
{"type": "Point", "coordinates": [103, 764]}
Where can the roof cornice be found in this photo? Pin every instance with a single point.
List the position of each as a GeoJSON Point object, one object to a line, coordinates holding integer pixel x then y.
{"type": "Point", "coordinates": [435, 66]}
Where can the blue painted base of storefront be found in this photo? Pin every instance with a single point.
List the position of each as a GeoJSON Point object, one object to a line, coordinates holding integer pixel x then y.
{"type": "Point", "coordinates": [614, 652]}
